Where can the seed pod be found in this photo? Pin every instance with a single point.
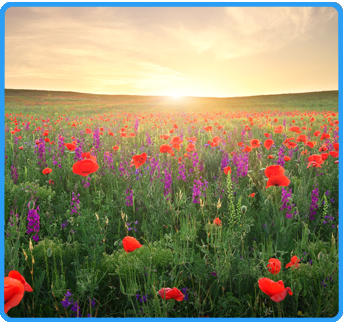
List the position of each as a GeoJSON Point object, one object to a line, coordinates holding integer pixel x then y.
{"type": "Point", "coordinates": [243, 209]}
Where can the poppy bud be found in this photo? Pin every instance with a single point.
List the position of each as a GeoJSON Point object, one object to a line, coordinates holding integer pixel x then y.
{"type": "Point", "coordinates": [31, 205]}
{"type": "Point", "coordinates": [243, 209]}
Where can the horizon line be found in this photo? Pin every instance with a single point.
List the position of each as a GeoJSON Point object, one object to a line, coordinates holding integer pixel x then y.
{"type": "Point", "coordinates": [167, 95]}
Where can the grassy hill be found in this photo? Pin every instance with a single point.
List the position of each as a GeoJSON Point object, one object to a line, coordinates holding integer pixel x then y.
{"type": "Point", "coordinates": [326, 100]}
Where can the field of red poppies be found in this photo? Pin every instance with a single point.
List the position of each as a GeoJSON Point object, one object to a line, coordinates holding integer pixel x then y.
{"type": "Point", "coordinates": [129, 206]}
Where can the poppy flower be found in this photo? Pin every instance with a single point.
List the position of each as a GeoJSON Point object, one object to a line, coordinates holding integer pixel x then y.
{"type": "Point", "coordinates": [302, 138]}
{"type": "Point", "coordinates": [278, 180]}
{"type": "Point", "coordinates": [14, 288]}
{"type": "Point", "coordinates": [266, 135]}
{"type": "Point", "coordinates": [270, 157]}
{"type": "Point", "coordinates": [287, 158]}
{"type": "Point", "coordinates": [46, 171]}
{"type": "Point", "coordinates": [86, 155]}
{"type": "Point", "coordinates": [21, 148]}
{"type": "Point", "coordinates": [315, 158]}
{"type": "Point", "coordinates": [274, 170]}
{"type": "Point", "coordinates": [208, 128]}
{"type": "Point", "coordinates": [116, 147]}
{"type": "Point", "coordinates": [217, 221]}
{"type": "Point", "coordinates": [324, 156]}
{"type": "Point", "coordinates": [276, 291]}
{"type": "Point", "coordinates": [254, 143]}
{"type": "Point", "coordinates": [336, 146]}
{"type": "Point", "coordinates": [85, 167]}
{"type": "Point", "coordinates": [139, 160]}
{"type": "Point", "coordinates": [295, 129]}
{"type": "Point", "coordinates": [164, 148]}
{"type": "Point", "coordinates": [247, 149]}
{"type": "Point", "coordinates": [71, 147]}
{"type": "Point", "coordinates": [324, 136]}
{"type": "Point", "coordinates": [130, 244]}
{"type": "Point", "coordinates": [227, 170]}
{"type": "Point", "coordinates": [51, 182]}
{"type": "Point", "coordinates": [334, 154]}
{"type": "Point", "coordinates": [171, 293]}
{"type": "Point", "coordinates": [274, 266]}
{"type": "Point", "coordinates": [278, 129]}
{"type": "Point", "coordinates": [323, 148]}
{"type": "Point", "coordinates": [268, 143]}
{"type": "Point", "coordinates": [190, 147]}
{"type": "Point", "coordinates": [251, 195]}
{"type": "Point", "coordinates": [317, 133]}
{"type": "Point", "coordinates": [165, 137]}
{"type": "Point", "coordinates": [294, 262]}
{"type": "Point", "coordinates": [310, 144]}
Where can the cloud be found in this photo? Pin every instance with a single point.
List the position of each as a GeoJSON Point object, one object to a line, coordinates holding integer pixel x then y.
{"type": "Point", "coordinates": [149, 48]}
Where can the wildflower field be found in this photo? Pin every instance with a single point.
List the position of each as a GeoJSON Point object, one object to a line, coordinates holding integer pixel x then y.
{"type": "Point", "coordinates": [134, 206]}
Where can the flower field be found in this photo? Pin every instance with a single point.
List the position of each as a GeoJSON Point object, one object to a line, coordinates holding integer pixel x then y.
{"type": "Point", "coordinates": [125, 206]}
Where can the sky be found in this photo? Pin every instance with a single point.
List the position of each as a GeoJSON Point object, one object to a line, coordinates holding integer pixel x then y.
{"type": "Point", "coordinates": [216, 52]}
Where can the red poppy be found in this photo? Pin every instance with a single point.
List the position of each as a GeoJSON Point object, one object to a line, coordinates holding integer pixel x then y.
{"type": "Point", "coordinates": [130, 244]}
{"type": "Point", "coordinates": [294, 262]}
{"type": "Point", "coordinates": [217, 221]}
{"type": "Point", "coordinates": [208, 128]}
{"type": "Point", "coordinates": [310, 144]}
{"type": "Point", "coordinates": [71, 147]}
{"type": "Point", "coordinates": [254, 143]}
{"type": "Point", "coordinates": [278, 180]}
{"type": "Point", "coordinates": [278, 129]}
{"type": "Point", "coordinates": [46, 171]}
{"type": "Point", "coordinates": [324, 156]}
{"type": "Point", "coordinates": [315, 158]}
{"type": "Point", "coordinates": [270, 157]}
{"type": "Point", "coordinates": [190, 147]}
{"type": "Point", "coordinates": [85, 167]}
{"type": "Point", "coordinates": [227, 170]}
{"type": "Point", "coordinates": [274, 266]}
{"type": "Point", "coordinates": [295, 129]}
{"type": "Point", "coordinates": [336, 146]}
{"type": "Point", "coordinates": [51, 182]}
{"type": "Point", "coordinates": [274, 170]}
{"type": "Point", "coordinates": [334, 154]}
{"type": "Point", "coordinates": [165, 137]}
{"type": "Point", "coordinates": [165, 148]}
{"type": "Point", "coordinates": [251, 195]}
{"type": "Point", "coordinates": [287, 158]}
{"type": "Point", "coordinates": [116, 147]}
{"type": "Point", "coordinates": [174, 293]}
{"type": "Point", "coordinates": [302, 138]}
{"type": "Point", "coordinates": [324, 136]}
{"type": "Point", "coordinates": [247, 149]}
{"type": "Point", "coordinates": [21, 148]}
{"type": "Point", "coordinates": [276, 291]}
{"type": "Point", "coordinates": [268, 143]}
{"type": "Point", "coordinates": [139, 160]}
{"type": "Point", "coordinates": [14, 288]}
{"type": "Point", "coordinates": [86, 155]}
{"type": "Point", "coordinates": [266, 135]}
{"type": "Point", "coordinates": [317, 133]}
{"type": "Point", "coordinates": [323, 148]}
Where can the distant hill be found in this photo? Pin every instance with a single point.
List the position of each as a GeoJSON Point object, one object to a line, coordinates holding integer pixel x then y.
{"type": "Point", "coordinates": [325, 100]}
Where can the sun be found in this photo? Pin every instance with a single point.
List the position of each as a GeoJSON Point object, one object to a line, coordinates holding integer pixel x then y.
{"type": "Point", "coordinates": [177, 96]}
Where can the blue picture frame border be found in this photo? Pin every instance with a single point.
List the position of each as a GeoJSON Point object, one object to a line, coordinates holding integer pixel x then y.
{"type": "Point", "coordinates": [176, 4]}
